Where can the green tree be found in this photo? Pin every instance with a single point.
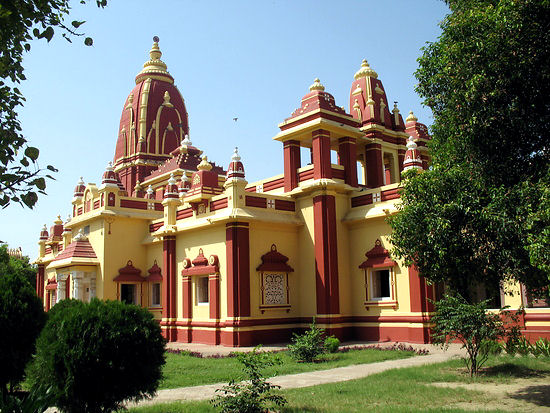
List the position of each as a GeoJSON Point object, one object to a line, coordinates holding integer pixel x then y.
{"type": "Point", "coordinates": [97, 355]}
{"type": "Point", "coordinates": [470, 324]}
{"type": "Point", "coordinates": [21, 21]}
{"type": "Point", "coordinates": [481, 214]}
{"type": "Point", "coordinates": [21, 320]}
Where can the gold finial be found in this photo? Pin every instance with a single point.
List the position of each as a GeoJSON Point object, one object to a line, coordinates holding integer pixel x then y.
{"type": "Point", "coordinates": [58, 221]}
{"type": "Point", "coordinates": [316, 85]}
{"type": "Point", "coordinates": [166, 97]}
{"type": "Point", "coordinates": [365, 71]}
{"type": "Point", "coordinates": [411, 117]}
{"type": "Point", "coordinates": [154, 66]}
{"type": "Point", "coordinates": [204, 165]}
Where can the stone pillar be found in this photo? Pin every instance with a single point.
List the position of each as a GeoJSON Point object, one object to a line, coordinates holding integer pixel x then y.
{"type": "Point", "coordinates": [374, 164]}
{"type": "Point", "coordinates": [321, 154]}
{"type": "Point", "coordinates": [292, 162]}
{"type": "Point", "coordinates": [326, 254]}
{"type": "Point", "coordinates": [400, 159]}
{"type": "Point", "coordinates": [61, 287]}
{"type": "Point", "coordinates": [92, 286]}
{"type": "Point", "coordinates": [347, 154]}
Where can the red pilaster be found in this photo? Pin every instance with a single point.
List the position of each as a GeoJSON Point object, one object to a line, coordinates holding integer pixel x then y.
{"type": "Point", "coordinates": [238, 269]}
{"type": "Point", "coordinates": [326, 254]}
{"type": "Point", "coordinates": [400, 159]}
{"type": "Point", "coordinates": [292, 162]}
{"type": "Point", "coordinates": [347, 156]}
{"type": "Point", "coordinates": [373, 158]}
{"type": "Point", "coordinates": [321, 154]}
{"type": "Point", "coordinates": [186, 297]}
{"type": "Point", "coordinates": [169, 309]}
{"type": "Point", "coordinates": [40, 281]}
{"type": "Point", "coordinates": [420, 293]}
{"type": "Point", "coordinates": [214, 292]}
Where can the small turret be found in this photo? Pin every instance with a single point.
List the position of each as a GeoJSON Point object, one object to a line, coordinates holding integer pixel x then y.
{"type": "Point", "coordinates": [412, 156]}
{"type": "Point", "coordinates": [236, 168]}
{"type": "Point", "coordinates": [184, 185]}
{"type": "Point", "coordinates": [109, 178]}
{"type": "Point", "coordinates": [44, 233]}
{"type": "Point", "coordinates": [171, 190]}
{"type": "Point", "coordinates": [150, 194]}
{"type": "Point", "coordinates": [79, 189]}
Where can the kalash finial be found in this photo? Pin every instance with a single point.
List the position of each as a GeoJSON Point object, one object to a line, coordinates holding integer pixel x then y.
{"type": "Point", "coordinates": [365, 71]}
{"type": "Point", "coordinates": [236, 157]}
{"type": "Point", "coordinates": [155, 52]}
{"type": "Point", "coordinates": [316, 85]}
{"type": "Point", "coordinates": [204, 165]}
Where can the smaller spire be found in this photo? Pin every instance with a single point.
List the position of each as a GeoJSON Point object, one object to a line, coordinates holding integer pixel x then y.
{"type": "Point", "coordinates": [171, 190]}
{"type": "Point", "coordinates": [44, 233]}
{"type": "Point", "coordinates": [80, 236]}
{"type": "Point", "coordinates": [79, 189]}
{"type": "Point", "coordinates": [204, 165]}
{"type": "Point", "coordinates": [316, 85]}
{"type": "Point", "coordinates": [166, 98]}
{"type": "Point", "coordinates": [365, 71]}
{"type": "Point", "coordinates": [150, 194]}
{"type": "Point", "coordinates": [411, 117]}
{"type": "Point", "coordinates": [412, 156]}
{"type": "Point", "coordinates": [58, 221]}
{"type": "Point", "coordinates": [186, 141]}
{"type": "Point", "coordinates": [236, 168]}
{"type": "Point", "coordinates": [69, 217]}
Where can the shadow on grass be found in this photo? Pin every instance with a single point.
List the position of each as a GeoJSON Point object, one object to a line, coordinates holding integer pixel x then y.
{"type": "Point", "coordinates": [512, 370]}
{"type": "Point", "coordinates": [301, 409]}
{"type": "Point", "coordinates": [539, 395]}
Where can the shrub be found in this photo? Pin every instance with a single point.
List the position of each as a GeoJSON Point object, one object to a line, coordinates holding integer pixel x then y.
{"type": "Point", "coordinates": [97, 355]}
{"type": "Point", "coordinates": [21, 319]}
{"type": "Point", "coordinates": [332, 344]}
{"type": "Point", "coordinates": [308, 346]}
{"type": "Point", "coordinates": [541, 348]}
{"type": "Point", "coordinates": [471, 324]}
{"type": "Point", "coordinates": [254, 395]}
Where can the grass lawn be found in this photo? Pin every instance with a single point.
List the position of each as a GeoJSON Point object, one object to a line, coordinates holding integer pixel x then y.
{"type": "Point", "coordinates": [402, 390]}
{"type": "Point", "coordinates": [183, 370]}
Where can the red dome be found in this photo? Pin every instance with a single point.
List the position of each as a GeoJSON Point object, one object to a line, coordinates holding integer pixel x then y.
{"type": "Point", "coordinates": [153, 122]}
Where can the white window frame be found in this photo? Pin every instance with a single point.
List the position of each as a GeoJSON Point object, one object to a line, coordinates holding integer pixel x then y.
{"type": "Point", "coordinates": [369, 287]}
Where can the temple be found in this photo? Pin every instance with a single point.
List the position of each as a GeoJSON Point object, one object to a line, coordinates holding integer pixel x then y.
{"type": "Point", "coordinates": [220, 260]}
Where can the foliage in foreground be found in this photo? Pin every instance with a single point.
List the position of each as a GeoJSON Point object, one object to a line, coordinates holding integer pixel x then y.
{"type": "Point", "coordinates": [255, 394]}
{"type": "Point", "coordinates": [21, 320]}
{"type": "Point", "coordinates": [97, 355]}
{"type": "Point", "coordinates": [21, 22]}
{"type": "Point", "coordinates": [471, 324]}
{"type": "Point", "coordinates": [483, 212]}
{"type": "Point", "coordinates": [307, 347]}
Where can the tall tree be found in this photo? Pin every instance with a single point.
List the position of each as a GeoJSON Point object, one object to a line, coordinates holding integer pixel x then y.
{"type": "Point", "coordinates": [21, 21]}
{"type": "Point", "coordinates": [481, 213]}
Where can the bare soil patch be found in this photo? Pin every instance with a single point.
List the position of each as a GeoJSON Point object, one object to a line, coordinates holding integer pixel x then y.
{"type": "Point", "coordinates": [519, 395]}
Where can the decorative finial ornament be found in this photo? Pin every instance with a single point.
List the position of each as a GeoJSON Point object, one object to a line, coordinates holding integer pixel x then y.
{"type": "Point", "coordinates": [411, 117]}
{"type": "Point", "coordinates": [172, 180]}
{"type": "Point", "coordinates": [365, 71]}
{"type": "Point", "coordinates": [166, 97]}
{"type": "Point", "coordinates": [69, 217]}
{"type": "Point", "coordinates": [236, 157]}
{"type": "Point", "coordinates": [80, 236]}
{"type": "Point", "coordinates": [316, 85]}
{"type": "Point", "coordinates": [79, 189]}
{"type": "Point", "coordinates": [44, 233]}
{"type": "Point", "coordinates": [156, 39]}
{"type": "Point", "coordinates": [150, 193]}
{"type": "Point", "coordinates": [58, 221]}
{"type": "Point", "coordinates": [204, 165]}
{"type": "Point", "coordinates": [154, 66]}
{"type": "Point", "coordinates": [186, 141]}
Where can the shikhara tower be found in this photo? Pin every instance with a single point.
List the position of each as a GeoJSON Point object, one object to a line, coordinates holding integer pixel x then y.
{"type": "Point", "coordinates": [220, 260]}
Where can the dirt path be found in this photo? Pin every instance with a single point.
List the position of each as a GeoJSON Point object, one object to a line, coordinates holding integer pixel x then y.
{"type": "Point", "coordinates": [520, 395]}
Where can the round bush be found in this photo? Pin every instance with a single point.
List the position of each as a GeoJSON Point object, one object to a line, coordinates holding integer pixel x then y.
{"type": "Point", "coordinates": [97, 355]}
{"type": "Point", "coordinates": [21, 319]}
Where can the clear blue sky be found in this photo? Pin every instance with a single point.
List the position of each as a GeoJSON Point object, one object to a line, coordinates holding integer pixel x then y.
{"type": "Point", "coordinates": [248, 59]}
